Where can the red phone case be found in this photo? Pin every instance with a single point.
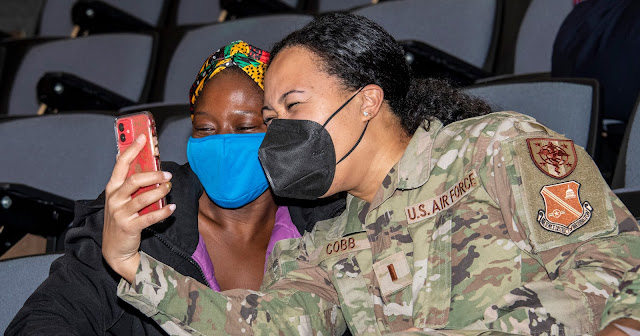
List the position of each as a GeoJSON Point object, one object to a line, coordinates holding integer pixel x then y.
{"type": "Point", "coordinates": [127, 128]}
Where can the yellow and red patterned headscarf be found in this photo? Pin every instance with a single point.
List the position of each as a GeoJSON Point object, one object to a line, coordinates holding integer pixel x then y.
{"type": "Point", "coordinates": [251, 60]}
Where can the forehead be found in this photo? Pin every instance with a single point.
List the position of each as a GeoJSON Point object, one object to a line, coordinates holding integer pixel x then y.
{"type": "Point", "coordinates": [294, 66]}
{"type": "Point", "coordinates": [229, 88]}
{"type": "Point", "coordinates": [230, 80]}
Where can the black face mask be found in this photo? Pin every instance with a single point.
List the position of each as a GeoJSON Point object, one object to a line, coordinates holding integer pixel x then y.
{"type": "Point", "coordinates": [298, 157]}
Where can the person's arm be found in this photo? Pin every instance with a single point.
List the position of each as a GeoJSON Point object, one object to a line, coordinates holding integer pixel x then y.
{"type": "Point", "coordinates": [624, 304]}
{"type": "Point", "coordinates": [296, 298]}
{"type": "Point", "coordinates": [568, 275]}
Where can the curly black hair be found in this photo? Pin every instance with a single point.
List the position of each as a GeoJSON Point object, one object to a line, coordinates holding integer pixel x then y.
{"type": "Point", "coordinates": [360, 52]}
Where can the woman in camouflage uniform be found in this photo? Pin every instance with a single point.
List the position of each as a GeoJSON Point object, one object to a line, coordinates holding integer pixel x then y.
{"type": "Point", "coordinates": [453, 225]}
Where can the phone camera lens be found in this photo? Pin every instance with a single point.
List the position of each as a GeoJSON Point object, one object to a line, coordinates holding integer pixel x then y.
{"type": "Point", "coordinates": [123, 137]}
{"type": "Point", "coordinates": [121, 127]}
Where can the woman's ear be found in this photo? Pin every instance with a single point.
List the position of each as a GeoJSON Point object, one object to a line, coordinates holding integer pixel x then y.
{"type": "Point", "coordinates": [373, 97]}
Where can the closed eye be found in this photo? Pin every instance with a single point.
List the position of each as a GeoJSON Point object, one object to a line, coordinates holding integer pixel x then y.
{"type": "Point", "coordinates": [204, 129]}
{"type": "Point", "coordinates": [267, 120]}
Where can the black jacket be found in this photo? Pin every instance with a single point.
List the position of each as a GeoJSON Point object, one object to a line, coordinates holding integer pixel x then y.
{"type": "Point", "coordinates": [79, 297]}
{"type": "Point", "coordinates": [601, 39]}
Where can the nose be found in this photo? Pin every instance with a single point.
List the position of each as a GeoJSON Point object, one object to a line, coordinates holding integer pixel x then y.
{"type": "Point", "coordinates": [227, 128]}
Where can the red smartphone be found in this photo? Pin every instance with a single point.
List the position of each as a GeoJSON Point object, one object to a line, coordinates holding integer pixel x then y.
{"type": "Point", "coordinates": [128, 128]}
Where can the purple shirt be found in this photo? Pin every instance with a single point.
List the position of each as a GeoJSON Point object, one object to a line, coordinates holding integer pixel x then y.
{"type": "Point", "coordinates": [282, 229]}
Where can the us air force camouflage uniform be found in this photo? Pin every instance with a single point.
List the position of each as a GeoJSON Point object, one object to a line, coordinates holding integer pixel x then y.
{"type": "Point", "coordinates": [492, 223]}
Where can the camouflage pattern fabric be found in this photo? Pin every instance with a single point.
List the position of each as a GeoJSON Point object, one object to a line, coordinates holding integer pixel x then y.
{"type": "Point", "coordinates": [487, 226]}
{"type": "Point", "coordinates": [625, 301]}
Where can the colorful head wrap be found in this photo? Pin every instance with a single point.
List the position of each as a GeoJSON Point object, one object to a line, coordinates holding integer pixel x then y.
{"type": "Point", "coordinates": [251, 60]}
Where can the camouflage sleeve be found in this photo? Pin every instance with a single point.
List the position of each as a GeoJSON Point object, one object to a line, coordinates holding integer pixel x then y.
{"type": "Point", "coordinates": [577, 239]}
{"type": "Point", "coordinates": [449, 332]}
{"type": "Point", "coordinates": [300, 302]}
{"type": "Point", "coordinates": [625, 301]}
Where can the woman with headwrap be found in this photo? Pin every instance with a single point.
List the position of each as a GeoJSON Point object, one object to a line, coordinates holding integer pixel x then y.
{"type": "Point", "coordinates": [225, 219]}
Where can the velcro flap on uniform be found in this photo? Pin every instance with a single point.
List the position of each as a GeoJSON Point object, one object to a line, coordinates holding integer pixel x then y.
{"type": "Point", "coordinates": [393, 273]}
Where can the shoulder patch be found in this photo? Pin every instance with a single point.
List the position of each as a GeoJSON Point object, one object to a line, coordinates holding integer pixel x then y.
{"type": "Point", "coordinates": [556, 211]}
{"type": "Point", "coordinates": [554, 157]}
{"type": "Point", "coordinates": [563, 211]}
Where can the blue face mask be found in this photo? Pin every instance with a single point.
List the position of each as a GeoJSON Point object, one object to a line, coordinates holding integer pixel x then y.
{"type": "Point", "coordinates": [228, 167]}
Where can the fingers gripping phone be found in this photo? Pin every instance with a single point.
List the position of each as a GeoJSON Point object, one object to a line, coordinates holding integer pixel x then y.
{"type": "Point", "coordinates": [128, 128]}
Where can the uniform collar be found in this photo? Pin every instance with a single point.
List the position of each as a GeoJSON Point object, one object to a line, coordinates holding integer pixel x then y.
{"type": "Point", "coordinates": [414, 168]}
{"type": "Point", "coordinates": [412, 171]}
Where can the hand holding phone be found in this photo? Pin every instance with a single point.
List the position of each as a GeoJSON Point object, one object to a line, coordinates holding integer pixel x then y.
{"type": "Point", "coordinates": [127, 129]}
{"type": "Point", "coordinates": [133, 194]}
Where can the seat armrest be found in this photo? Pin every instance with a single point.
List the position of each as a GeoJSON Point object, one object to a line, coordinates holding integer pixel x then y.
{"type": "Point", "coordinates": [427, 61]}
{"type": "Point", "coordinates": [246, 8]}
{"type": "Point", "coordinates": [510, 78]}
{"type": "Point", "coordinates": [97, 17]}
{"type": "Point", "coordinates": [25, 209]}
{"type": "Point", "coordinates": [62, 91]}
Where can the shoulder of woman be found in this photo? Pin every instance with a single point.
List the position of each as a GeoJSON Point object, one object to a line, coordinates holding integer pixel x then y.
{"type": "Point", "coordinates": [497, 126]}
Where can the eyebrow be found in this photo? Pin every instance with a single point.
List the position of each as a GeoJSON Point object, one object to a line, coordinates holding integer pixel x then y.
{"type": "Point", "coordinates": [281, 99]}
{"type": "Point", "coordinates": [244, 112]}
{"type": "Point", "coordinates": [234, 112]}
{"type": "Point", "coordinates": [288, 93]}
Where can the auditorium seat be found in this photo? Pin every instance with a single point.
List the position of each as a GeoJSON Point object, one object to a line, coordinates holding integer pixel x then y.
{"type": "Point", "coordinates": [198, 44]}
{"type": "Point", "coordinates": [54, 160]}
{"type": "Point", "coordinates": [627, 173]}
{"type": "Point", "coordinates": [538, 30]}
{"type": "Point", "coordinates": [461, 28]}
{"type": "Point", "coordinates": [70, 155]}
{"type": "Point", "coordinates": [56, 17]}
{"type": "Point", "coordinates": [626, 180]}
{"type": "Point", "coordinates": [18, 279]}
{"type": "Point", "coordinates": [566, 105]}
{"type": "Point", "coordinates": [117, 62]}
{"type": "Point", "coordinates": [197, 12]}
{"type": "Point", "coordinates": [325, 6]}
{"type": "Point", "coordinates": [172, 139]}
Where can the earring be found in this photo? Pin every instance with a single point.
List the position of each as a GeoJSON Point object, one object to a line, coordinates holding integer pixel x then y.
{"type": "Point", "coordinates": [366, 114]}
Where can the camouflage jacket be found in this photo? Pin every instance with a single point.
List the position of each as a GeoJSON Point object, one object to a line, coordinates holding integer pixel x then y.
{"type": "Point", "coordinates": [492, 223]}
